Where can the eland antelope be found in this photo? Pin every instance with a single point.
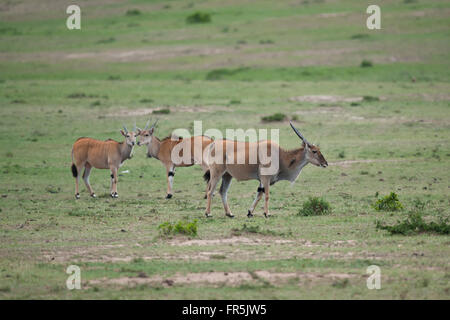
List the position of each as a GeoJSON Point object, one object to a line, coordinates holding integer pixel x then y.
{"type": "Point", "coordinates": [90, 153]}
{"type": "Point", "coordinates": [289, 164]}
{"type": "Point", "coordinates": [163, 150]}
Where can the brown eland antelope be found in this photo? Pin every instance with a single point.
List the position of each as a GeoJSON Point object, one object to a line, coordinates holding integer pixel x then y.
{"type": "Point", "coordinates": [90, 153]}
{"type": "Point", "coordinates": [163, 149]}
{"type": "Point", "coordinates": [288, 167]}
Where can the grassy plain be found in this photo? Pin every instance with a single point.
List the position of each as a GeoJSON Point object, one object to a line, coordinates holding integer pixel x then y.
{"type": "Point", "coordinates": [254, 59]}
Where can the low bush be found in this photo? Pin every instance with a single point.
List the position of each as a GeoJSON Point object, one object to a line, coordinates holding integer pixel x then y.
{"type": "Point", "coordinates": [370, 99]}
{"type": "Point", "coordinates": [414, 224]}
{"type": "Point", "coordinates": [315, 206]}
{"type": "Point", "coordinates": [366, 64]}
{"type": "Point", "coordinates": [199, 17]}
{"type": "Point", "coordinates": [256, 229]}
{"type": "Point", "coordinates": [162, 111]}
{"type": "Point", "coordinates": [133, 12]}
{"type": "Point", "coordinates": [219, 74]}
{"type": "Point", "coordinates": [388, 203]}
{"type": "Point", "coordinates": [181, 227]}
{"type": "Point", "coordinates": [360, 36]}
{"type": "Point", "coordinates": [275, 117]}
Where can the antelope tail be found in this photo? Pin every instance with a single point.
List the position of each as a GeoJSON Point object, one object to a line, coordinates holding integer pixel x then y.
{"type": "Point", "coordinates": [74, 170]}
{"type": "Point", "coordinates": [207, 176]}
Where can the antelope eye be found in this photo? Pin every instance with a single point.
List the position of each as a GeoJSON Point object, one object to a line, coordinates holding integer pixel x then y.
{"type": "Point", "coordinates": [147, 135]}
{"type": "Point", "coordinates": [314, 151]}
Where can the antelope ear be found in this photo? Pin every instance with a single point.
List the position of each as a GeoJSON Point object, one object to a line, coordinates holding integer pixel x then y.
{"type": "Point", "coordinates": [138, 131]}
{"type": "Point", "coordinates": [304, 145]}
{"type": "Point", "coordinates": [123, 133]}
{"type": "Point", "coordinates": [151, 130]}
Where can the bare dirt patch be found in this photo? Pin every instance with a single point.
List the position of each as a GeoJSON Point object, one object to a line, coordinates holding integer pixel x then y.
{"type": "Point", "coordinates": [228, 241]}
{"type": "Point", "coordinates": [149, 111]}
{"type": "Point", "coordinates": [325, 99]}
{"type": "Point", "coordinates": [348, 163]}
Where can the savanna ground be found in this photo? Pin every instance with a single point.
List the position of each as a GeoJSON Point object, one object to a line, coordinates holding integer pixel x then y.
{"type": "Point", "coordinates": [254, 58]}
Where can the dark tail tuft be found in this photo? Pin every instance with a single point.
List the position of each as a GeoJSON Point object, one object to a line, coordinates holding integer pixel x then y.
{"type": "Point", "coordinates": [74, 171]}
{"type": "Point", "coordinates": [207, 176]}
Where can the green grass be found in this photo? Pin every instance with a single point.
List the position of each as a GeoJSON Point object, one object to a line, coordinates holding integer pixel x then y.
{"type": "Point", "coordinates": [246, 63]}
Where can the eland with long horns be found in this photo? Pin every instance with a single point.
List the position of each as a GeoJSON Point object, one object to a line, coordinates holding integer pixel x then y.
{"type": "Point", "coordinates": [222, 161]}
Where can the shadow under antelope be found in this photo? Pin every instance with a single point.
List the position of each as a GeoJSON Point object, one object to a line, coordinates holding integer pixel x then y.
{"type": "Point", "coordinates": [290, 163]}
{"type": "Point", "coordinates": [90, 153]}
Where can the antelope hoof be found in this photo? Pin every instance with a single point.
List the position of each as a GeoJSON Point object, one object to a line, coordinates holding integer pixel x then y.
{"type": "Point", "coordinates": [229, 215]}
{"type": "Point", "coordinates": [208, 215]}
{"type": "Point", "coordinates": [249, 214]}
{"type": "Point", "coordinates": [114, 195]}
{"type": "Point", "coordinates": [266, 215]}
{"type": "Point", "coordinates": [77, 196]}
{"type": "Point", "coordinates": [169, 195]}
{"type": "Point", "coordinates": [93, 195]}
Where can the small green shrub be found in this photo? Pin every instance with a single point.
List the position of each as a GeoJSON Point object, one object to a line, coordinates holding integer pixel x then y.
{"type": "Point", "coordinates": [219, 74]}
{"type": "Point", "coordinates": [370, 99]}
{"type": "Point", "coordinates": [181, 227]}
{"type": "Point", "coordinates": [366, 64]}
{"type": "Point", "coordinates": [360, 36]}
{"type": "Point", "coordinates": [235, 101]}
{"type": "Point", "coordinates": [108, 40]}
{"type": "Point", "coordinates": [77, 95]}
{"type": "Point", "coordinates": [199, 17]}
{"type": "Point", "coordinates": [133, 12]}
{"type": "Point", "coordinates": [341, 154]}
{"type": "Point", "coordinates": [415, 224]}
{"type": "Point", "coordinates": [315, 206]}
{"type": "Point", "coordinates": [146, 100]}
{"type": "Point", "coordinates": [388, 203]}
{"type": "Point", "coordinates": [341, 284]}
{"type": "Point", "coordinates": [246, 229]}
{"type": "Point", "coordinates": [275, 117]}
{"type": "Point", "coordinates": [162, 111]}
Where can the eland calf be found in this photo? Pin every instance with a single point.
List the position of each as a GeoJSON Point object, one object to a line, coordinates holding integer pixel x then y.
{"type": "Point", "coordinates": [226, 165]}
{"type": "Point", "coordinates": [166, 149]}
{"type": "Point", "coordinates": [90, 153]}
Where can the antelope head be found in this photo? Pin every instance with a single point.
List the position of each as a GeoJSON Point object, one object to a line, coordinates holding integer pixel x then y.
{"type": "Point", "coordinates": [146, 135]}
{"type": "Point", "coordinates": [313, 154]}
{"type": "Point", "coordinates": [130, 136]}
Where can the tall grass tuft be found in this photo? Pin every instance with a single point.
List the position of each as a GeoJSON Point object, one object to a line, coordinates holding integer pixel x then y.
{"type": "Point", "coordinates": [315, 206]}
{"type": "Point", "coordinates": [181, 227]}
{"type": "Point", "coordinates": [199, 17]}
{"type": "Point", "coordinates": [414, 224]}
{"type": "Point", "coordinates": [388, 203]}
